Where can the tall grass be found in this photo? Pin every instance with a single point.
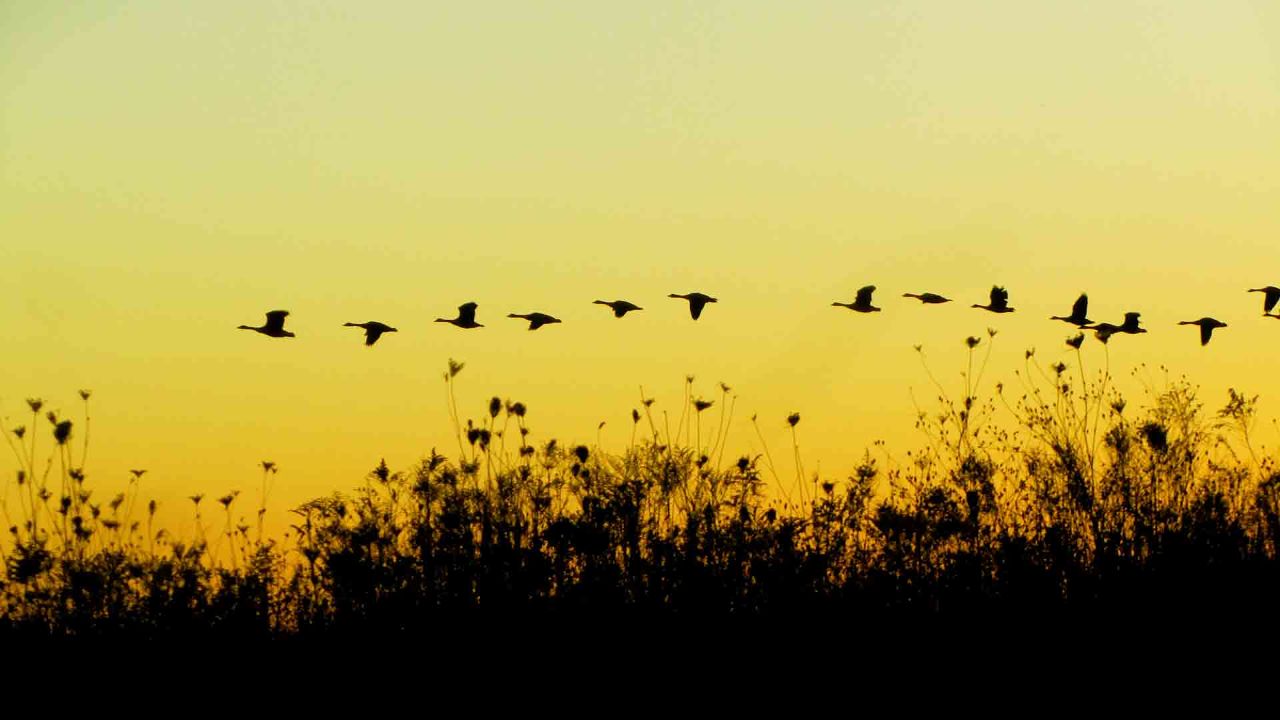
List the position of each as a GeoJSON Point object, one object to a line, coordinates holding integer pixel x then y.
{"type": "Point", "coordinates": [1079, 505]}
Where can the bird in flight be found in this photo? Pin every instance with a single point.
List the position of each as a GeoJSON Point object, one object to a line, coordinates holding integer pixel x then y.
{"type": "Point", "coordinates": [1104, 331]}
{"type": "Point", "coordinates": [1207, 325]}
{"type": "Point", "coordinates": [999, 301]}
{"type": "Point", "coordinates": [1130, 324]}
{"type": "Point", "coordinates": [372, 330]}
{"type": "Point", "coordinates": [1271, 296]}
{"type": "Point", "coordinates": [536, 319]}
{"type": "Point", "coordinates": [697, 301]}
{"type": "Point", "coordinates": [466, 317]}
{"type": "Point", "coordinates": [273, 327]}
{"type": "Point", "coordinates": [1079, 312]}
{"type": "Point", "coordinates": [861, 302]}
{"type": "Point", "coordinates": [619, 307]}
{"type": "Point", "coordinates": [928, 298]}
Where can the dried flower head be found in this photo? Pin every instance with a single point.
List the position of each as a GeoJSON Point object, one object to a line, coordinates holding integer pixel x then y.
{"type": "Point", "coordinates": [793, 419]}
{"type": "Point", "coordinates": [62, 432]}
{"type": "Point", "coordinates": [1076, 342]}
{"type": "Point", "coordinates": [35, 404]}
{"type": "Point", "coordinates": [455, 367]}
{"type": "Point", "coordinates": [701, 404]}
{"type": "Point", "coordinates": [972, 341]}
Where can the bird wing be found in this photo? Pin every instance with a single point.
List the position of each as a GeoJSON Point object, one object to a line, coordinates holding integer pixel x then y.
{"type": "Point", "coordinates": [696, 304]}
{"type": "Point", "coordinates": [1270, 297]}
{"type": "Point", "coordinates": [1081, 308]}
{"type": "Point", "coordinates": [275, 319]}
{"type": "Point", "coordinates": [999, 296]}
{"type": "Point", "coordinates": [1206, 331]}
{"type": "Point", "coordinates": [467, 312]}
{"type": "Point", "coordinates": [372, 332]}
{"type": "Point", "coordinates": [864, 295]}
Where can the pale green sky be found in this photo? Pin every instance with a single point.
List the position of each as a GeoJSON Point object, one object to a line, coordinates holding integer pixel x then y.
{"type": "Point", "coordinates": [171, 170]}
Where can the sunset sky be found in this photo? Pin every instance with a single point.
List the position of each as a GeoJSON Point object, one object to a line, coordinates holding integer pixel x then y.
{"type": "Point", "coordinates": [169, 171]}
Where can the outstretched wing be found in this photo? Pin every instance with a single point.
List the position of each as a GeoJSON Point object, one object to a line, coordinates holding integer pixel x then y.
{"type": "Point", "coordinates": [999, 296]}
{"type": "Point", "coordinates": [467, 312]}
{"type": "Point", "coordinates": [275, 320]}
{"type": "Point", "coordinates": [1081, 309]}
{"type": "Point", "coordinates": [864, 295]}
{"type": "Point", "coordinates": [695, 306]}
{"type": "Point", "coordinates": [372, 332]}
{"type": "Point", "coordinates": [1206, 332]}
{"type": "Point", "coordinates": [1270, 298]}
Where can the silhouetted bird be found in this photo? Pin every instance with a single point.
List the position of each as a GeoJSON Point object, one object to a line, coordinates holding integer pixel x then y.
{"type": "Point", "coordinates": [999, 301]}
{"type": "Point", "coordinates": [1130, 324]}
{"type": "Point", "coordinates": [619, 307]}
{"type": "Point", "coordinates": [1207, 325]}
{"type": "Point", "coordinates": [1079, 312]}
{"type": "Point", "coordinates": [861, 302]}
{"type": "Point", "coordinates": [928, 298]}
{"type": "Point", "coordinates": [466, 317]}
{"type": "Point", "coordinates": [372, 330]}
{"type": "Point", "coordinates": [1269, 299]}
{"type": "Point", "coordinates": [273, 327]}
{"type": "Point", "coordinates": [697, 301]}
{"type": "Point", "coordinates": [536, 320]}
{"type": "Point", "coordinates": [1104, 331]}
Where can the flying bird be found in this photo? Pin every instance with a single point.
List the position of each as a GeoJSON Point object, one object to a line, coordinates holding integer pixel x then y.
{"type": "Point", "coordinates": [999, 301]}
{"type": "Point", "coordinates": [372, 330]}
{"type": "Point", "coordinates": [273, 327]}
{"type": "Point", "coordinates": [1079, 312]}
{"type": "Point", "coordinates": [1207, 325]}
{"type": "Point", "coordinates": [1271, 296]}
{"type": "Point", "coordinates": [466, 317]}
{"type": "Point", "coordinates": [861, 302]}
{"type": "Point", "coordinates": [619, 307]}
{"type": "Point", "coordinates": [697, 301]}
{"type": "Point", "coordinates": [928, 298]}
{"type": "Point", "coordinates": [1104, 331]}
{"type": "Point", "coordinates": [536, 320]}
{"type": "Point", "coordinates": [1130, 324]}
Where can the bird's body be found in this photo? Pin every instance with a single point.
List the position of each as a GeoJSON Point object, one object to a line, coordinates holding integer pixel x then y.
{"type": "Point", "coordinates": [273, 327]}
{"type": "Point", "coordinates": [697, 301]}
{"type": "Point", "coordinates": [928, 298]}
{"type": "Point", "coordinates": [861, 302]}
{"type": "Point", "coordinates": [536, 319]}
{"type": "Point", "coordinates": [1207, 326]}
{"type": "Point", "coordinates": [1104, 331]}
{"type": "Point", "coordinates": [1079, 312]}
{"type": "Point", "coordinates": [1130, 324]}
{"type": "Point", "coordinates": [1271, 296]}
{"type": "Point", "coordinates": [372, 330]}
{"type": "Point", "coordinates": [999, 301]}
{"type": "Point", "coordinates": [466, 317]}
{"type": "Point", "coordinates": [619, 307]}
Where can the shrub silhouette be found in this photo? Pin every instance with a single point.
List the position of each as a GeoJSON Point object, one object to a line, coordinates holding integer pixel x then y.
{"type": "Point", "coordinates": [1085, 508]}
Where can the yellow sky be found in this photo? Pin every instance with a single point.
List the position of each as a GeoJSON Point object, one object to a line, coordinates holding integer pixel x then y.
{"type": "Point", "coordinates": [171, 170]}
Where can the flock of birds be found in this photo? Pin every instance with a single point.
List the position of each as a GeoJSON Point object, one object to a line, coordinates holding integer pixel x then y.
{"type": "Point", "coordinates": [997, 303]}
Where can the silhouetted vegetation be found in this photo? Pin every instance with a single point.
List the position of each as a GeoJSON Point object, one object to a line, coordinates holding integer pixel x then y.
{"type": "Point", "coordinates": [1083, 507]}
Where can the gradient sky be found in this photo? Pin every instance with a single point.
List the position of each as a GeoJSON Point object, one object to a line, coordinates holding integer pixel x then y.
{"type": "Point", "coordinates": [171, 170]}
